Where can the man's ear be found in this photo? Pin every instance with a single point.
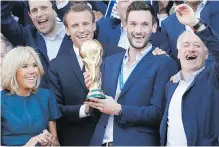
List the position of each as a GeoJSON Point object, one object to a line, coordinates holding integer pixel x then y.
{"type": "Point", "coordinates": [154, 27]}
{"type": "Point", "coordinates": [206, 54]}
{"type": "Point", "coordinates": [67, 31]}
{"type": "Point", "coordinates": [29, 14]}
{"type": "Point", "coordinates": [94, 26]}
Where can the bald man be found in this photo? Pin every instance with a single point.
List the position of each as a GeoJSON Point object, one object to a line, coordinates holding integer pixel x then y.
{"type": "Point", "coordinates": [191, 116]}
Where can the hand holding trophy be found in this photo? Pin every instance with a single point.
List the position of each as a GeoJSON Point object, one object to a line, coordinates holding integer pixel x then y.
{"type": "Point", "coordinates": [91, 52]}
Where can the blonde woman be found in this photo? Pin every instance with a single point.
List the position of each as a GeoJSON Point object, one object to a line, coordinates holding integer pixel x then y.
{"type": "Point", "coordinates": [26, 111]}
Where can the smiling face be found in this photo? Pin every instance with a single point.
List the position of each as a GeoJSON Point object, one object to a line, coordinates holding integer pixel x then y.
{"type": "Point", "coordinates": [191, 52]}
{"type": "Point", "coordinates": [139, 28]}
{"type": "Point", "coordinates": [80, 27]}
{"type": "Point", "coordinates": [27, 75]}
{"type": "Point", "coordinates": [43, 16]}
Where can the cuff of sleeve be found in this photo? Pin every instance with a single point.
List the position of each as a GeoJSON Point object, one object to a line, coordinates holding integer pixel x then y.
{"type": "Point", "coordinates": [62, 5]}
{"type": "Point", "coordinates": [82, 113]}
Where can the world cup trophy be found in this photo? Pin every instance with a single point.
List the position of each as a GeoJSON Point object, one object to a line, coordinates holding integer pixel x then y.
{"type": "Point", "coordinates": [91, 52]}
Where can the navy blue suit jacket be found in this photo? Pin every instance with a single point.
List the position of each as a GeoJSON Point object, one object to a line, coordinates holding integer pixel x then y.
{"type": "Point", "coordinates": [173, 28]}
{"type": "Point", "coordinates": [142, 100]}
{"type": "Point", "coordinates": [28, 36]}
{"type": "Point", "coordinates": [200, 103]}
{"type": "Point", "coordinates": [67, 82]}
{"type": "Point", "coordinates": [109, 31]}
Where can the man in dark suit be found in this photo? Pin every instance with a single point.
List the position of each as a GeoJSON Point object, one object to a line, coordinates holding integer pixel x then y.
{"type": "Point", "coordinates": [76, 126]}
{"type": "Point", "coordinates": [114, 28]}
{"type": "Point", "coordinates": [206, 10]}
{"type": "Point", "coordinates": [46, 35]}
{"type": "Point", "coordinates": [191, 116]}
{"type": "Point", "coordinates": [133, 82]}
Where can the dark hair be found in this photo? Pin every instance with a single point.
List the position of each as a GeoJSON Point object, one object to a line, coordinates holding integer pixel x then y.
{"type": "Point", "coordinates": [78, 7]}
{"type": "Point", "coordinates": [52, 2]}
{"type": "Point", "coordinates": [141, 5]}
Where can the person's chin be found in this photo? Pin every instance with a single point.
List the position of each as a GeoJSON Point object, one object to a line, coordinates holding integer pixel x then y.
{"type": "Point", "coordinates": [44, 31]}
{"type": "Point", "coordinates": [138, 46]}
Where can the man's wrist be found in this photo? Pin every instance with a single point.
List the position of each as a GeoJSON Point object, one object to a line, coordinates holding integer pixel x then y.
{"type": "Point", "coordinates": [199, 26]}
{"type": "Point", "coordinates": [119, 110]}
{"type": "Point", "coordinates": [194, 22]}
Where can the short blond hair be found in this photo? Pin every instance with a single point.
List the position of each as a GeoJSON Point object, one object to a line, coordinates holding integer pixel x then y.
{"type": "Point", "coordinates": [183, 35]}
{"type": "Point", "coordinates": [13, 60]}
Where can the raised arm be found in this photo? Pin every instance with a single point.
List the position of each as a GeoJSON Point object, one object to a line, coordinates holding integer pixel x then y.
{"type": "Point", "coordinates": [10, 28]}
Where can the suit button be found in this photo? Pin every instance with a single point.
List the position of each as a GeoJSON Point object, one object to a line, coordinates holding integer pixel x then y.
{"type": "Point", "coordinates": [190, 141]}
{"type": "Point", "coordinates": [185, 124]}
{"type": "Point", "coordinates": [105, 127]}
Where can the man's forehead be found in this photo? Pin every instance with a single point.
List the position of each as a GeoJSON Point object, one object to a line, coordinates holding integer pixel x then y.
{"type": "Point", "coordinates": [82, 16]}
{"type": "Point", "coordinates": [125, 1]}
{"type": "Point", "coordinates": [129, 0]}
{"type": "Point", "coordinates": [34, 3]}
{"type": "Point", "coordinates": [133, 16]}
{"type": "Point", "coordinates": [190, 37]}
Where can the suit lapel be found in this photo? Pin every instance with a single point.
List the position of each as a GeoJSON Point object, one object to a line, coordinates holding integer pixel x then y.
{"type": "Point", "coordinates": [137, 72]}
{"type": "Point", "coordinates": [73, 62]}
{"type": "Point", "coordinates": [66, 43]}
{"type": "Point", "coordinates": [163, 126]}
{"type": "Point", "coordinates": [41, 46]}
{"type": "Point", "coordinates": [205, 14]}
{"type": "Point", "coordinates": [115, 68]}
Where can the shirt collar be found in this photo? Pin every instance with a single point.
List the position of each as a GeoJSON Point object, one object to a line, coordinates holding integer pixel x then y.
{"type": "Point", "coordinates": [179, 77]}
{"type": "Point", "coordinates": [77, 51]}
{"type": "Point", "coordinates": [122, 28]}
{"type": "Point", "coordinates": [139, 56]}
{"type": "Point", "coordinates": [60, 33]}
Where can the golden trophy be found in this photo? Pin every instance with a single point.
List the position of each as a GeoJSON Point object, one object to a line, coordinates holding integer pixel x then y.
{"type": "Point", "coordinates": [91, 52]}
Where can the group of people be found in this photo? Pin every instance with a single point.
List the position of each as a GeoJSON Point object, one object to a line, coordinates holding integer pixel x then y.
{"type": "Point", "coordinates": [159, 89]}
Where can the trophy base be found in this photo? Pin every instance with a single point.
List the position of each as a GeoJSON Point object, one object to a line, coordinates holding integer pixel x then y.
{"type": "Point", "coordinates": [95, 93]}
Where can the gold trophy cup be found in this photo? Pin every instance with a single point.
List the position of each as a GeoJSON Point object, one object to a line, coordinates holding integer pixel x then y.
{"type": "Point", "coordinates": [91, 52]}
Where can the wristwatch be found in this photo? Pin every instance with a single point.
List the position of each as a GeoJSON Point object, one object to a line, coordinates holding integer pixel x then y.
{"type": "Point", "coordinates": [198, 25]}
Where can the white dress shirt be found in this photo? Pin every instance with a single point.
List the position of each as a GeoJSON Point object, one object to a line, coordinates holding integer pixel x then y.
{"type": "Point", "coordinates": [197, 13]}
{"type": "Point", "coordinates": [127, 70]}
{"type": "Point", "coordinates": [77, 53]}
{"type": "Point", "coordinates": [82, 113]}
{"type": "Point", "coordinates": [123, 41]}
{"type": "Point", "coordinates": [53, 43]}
{"type": "Point", "coordinates": [175, 131]}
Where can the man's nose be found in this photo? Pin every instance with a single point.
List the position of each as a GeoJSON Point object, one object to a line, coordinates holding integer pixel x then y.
{"type": "Point", "coordinates": [138, 29]}
{"type": "Point", "coordinates": [191, 48]}
{"type": "Point", "coordinates": [81, 28]}
{"type": "Point", "coordinates": [39, 13]}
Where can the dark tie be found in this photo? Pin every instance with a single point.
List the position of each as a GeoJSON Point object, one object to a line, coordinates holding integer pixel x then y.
{"type": "Point", "coordinates": [83, 69]}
